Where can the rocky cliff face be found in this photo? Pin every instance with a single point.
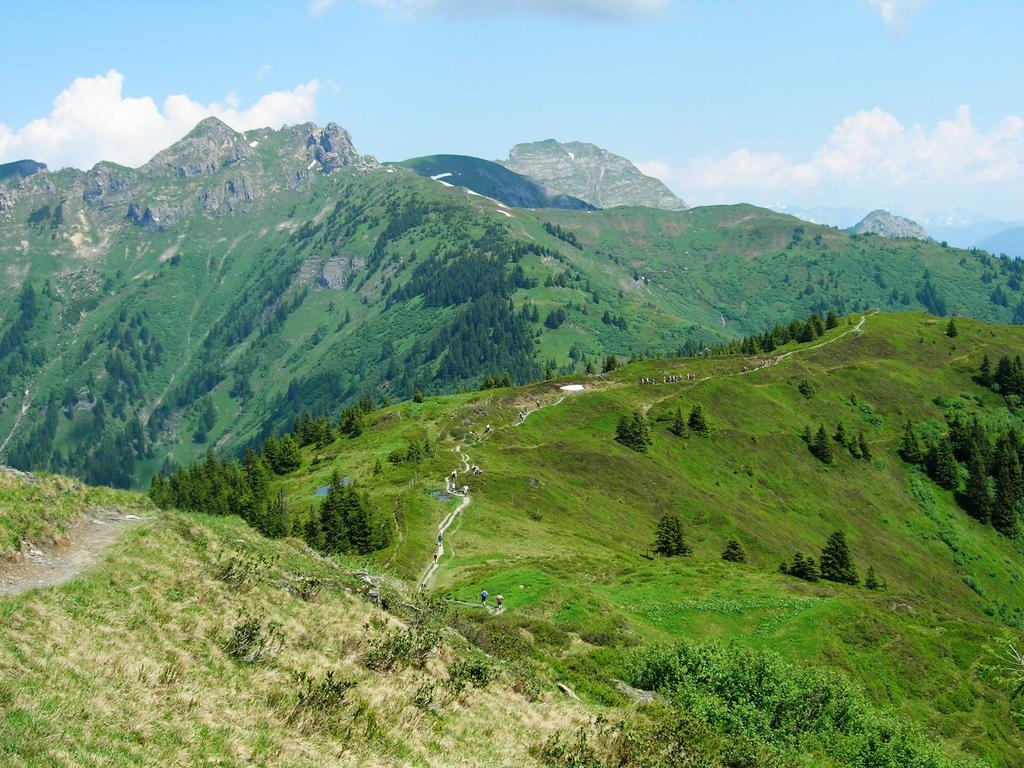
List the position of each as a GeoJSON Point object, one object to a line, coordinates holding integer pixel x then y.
{"type": "Point", "coordinates": [885, 224]}
{"type": "Point", "coordinates": [590, 173]}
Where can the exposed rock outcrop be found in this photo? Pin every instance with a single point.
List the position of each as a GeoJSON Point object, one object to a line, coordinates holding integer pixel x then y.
{"type": "Point", "coordinates": [885, 224]}
{"type": "Point", "coordinates": [591, 174]}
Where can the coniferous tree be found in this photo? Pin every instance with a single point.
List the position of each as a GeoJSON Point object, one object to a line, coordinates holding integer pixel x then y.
{"type": "Point", "coordinates": [678, 427]}
{"type": "Point", "coordinates": [865, 450]}
{"type": "Point", "coordinates": [821, 446]}
{"type": "Point", "coordinates": [841, 435]}
{"type": "Point", "coordinates": [806, 435]}
{"type": "Point", "coordinates": [871, 580]}
{"type": "Point", "coordinates": [332, 517]}
{"type": "Point", "coordinates": [634, 432]}
{"type": "Point", "coordinates": [831, 321]}
{"type": "Point", "coordinates": [977, 499]}
{"type": "Point", "coordinates": [1009, 487]}
{"type": "Point", "coordinates": [942, 465]}
{"type": "Point", "coordinates": [697, 422]}
{"type": "Point", "coordinates": [610, 364]}
{"type": "Point", "coordinates": [733, 552]}
{"type": "Point", "coordinates": [669, 540]}
{"type": "Point", "coordinates": [951, 329]}
{"type": "Point", "coordinates": [417, 396]}
{"type": "Point", "coordinates": [836, 563]}
{"type": "Point", "coordinates": [985, 372]}
{"type": "Point", "coordinates": [910, 449]}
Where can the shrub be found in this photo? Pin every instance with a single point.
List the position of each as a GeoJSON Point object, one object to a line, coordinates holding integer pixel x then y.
{"type": "Point", "coordinates": [319, 702]}
{"type": "Point", "coordinates": [252, 641]}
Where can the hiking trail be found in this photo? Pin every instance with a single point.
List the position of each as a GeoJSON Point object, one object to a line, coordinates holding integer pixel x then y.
{"type": "Point", "coordinates": [88, 540]}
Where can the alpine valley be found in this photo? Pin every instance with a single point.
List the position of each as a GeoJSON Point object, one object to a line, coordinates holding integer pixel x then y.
{"type": "Point", "coordinates": [317, 460]}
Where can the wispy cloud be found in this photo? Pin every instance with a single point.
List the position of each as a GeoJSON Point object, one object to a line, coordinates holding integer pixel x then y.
{"type": "Point", "coordinates": [318, 8]}
{"type": "Point", "coordinates": [896, 12]}
{"type": "Point", "coordinates": [874, 147]}
{"type": "Point", "coordinates": [91, 120]}
{"type": "Point", "coordinates": [263, 71]}
{"type": "Point", "coordinates": [659, 169]}
{"type": "Point", "coordinates": [591, 10]}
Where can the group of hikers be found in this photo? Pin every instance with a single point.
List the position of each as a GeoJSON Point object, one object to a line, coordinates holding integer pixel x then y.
{"type": "Point", "coordinates": [500, 600]}
{"type": "Point", "coordinates": [669, 378]}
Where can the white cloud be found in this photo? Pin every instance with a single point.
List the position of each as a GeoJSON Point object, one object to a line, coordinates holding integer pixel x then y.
{"type": "Point", "coordinates": [595, 10]}
{"type": "Point", "coordinates": [659, 169]}
{"type": "Point", "coordinates": [263, 71]}
{"type": "Point", "coordinates": [320, 7]}
{"type": "Point", "coordinates": [895, 12]}
{"type": "Point", "coordinates": [874, 147]}
{"type": "Point", "coordinates": [91, 121]}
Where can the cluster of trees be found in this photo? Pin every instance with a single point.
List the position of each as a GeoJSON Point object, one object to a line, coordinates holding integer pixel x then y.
{"type": "Point", "coordinates": [565, 235]}
{"type": "Point", "coordinates": [797, 330]}
{"type": "Point", "coordinates": [820, 444]}
{"type": "Point", "coordinates": [696, 423]}
{"type": "Point", "coordinates": [555, 318]}
{"type": "Point", "coordinates": [345, 522]}
{"type": "Point", "coordinates": [987, 478]}
{"type": "Point", "coordinates": [496, 381]}
{"type": "Point", "coordinates": [219, 487]}
{"type": "Point", "coordinates": [1006, 379]}
{"type": "Point", "coordinates": [836, 564]}
{"type": "Point", "coordinates": [616, 320]}
{"type": "Point", "coordinates": [634, 432]}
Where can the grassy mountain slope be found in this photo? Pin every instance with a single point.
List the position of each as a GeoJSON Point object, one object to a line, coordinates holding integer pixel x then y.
{"type": "Point", "coordinates": [236, 280]}
{"type": "Point", "coordinates": [133, 665]}
{"type": "Point", "coordinates": [562, 519]}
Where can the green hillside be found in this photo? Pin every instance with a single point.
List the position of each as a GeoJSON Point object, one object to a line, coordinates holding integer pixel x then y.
{"type": "Point", "coordinates": [562, 519]}
{"type": "Point", "coordinates": [211, 296]}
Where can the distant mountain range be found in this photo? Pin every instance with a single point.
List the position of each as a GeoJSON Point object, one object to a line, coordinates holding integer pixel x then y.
{"type": "Point", "coordinates": [954, 226]}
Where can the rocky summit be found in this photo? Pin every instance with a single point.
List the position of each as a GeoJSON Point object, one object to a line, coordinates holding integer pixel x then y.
{"type": "Point", "coordinates": [590, 173]}
{"type": "Point", "coordinates": [886, 224]}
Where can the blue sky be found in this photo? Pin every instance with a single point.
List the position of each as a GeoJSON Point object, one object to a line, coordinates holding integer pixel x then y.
{"type": "Point", "coordinates": [909, 104]}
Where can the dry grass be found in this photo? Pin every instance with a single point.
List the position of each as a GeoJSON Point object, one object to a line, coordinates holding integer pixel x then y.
{"type": "Point", "coordinates": [127, 667]}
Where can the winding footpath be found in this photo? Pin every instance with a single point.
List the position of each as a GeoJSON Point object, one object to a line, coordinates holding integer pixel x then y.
{"type": "Point", "coordinates": [446, 522]}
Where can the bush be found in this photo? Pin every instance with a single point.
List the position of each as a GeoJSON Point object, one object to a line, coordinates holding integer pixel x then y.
{"type": "Point", "coordinates": [252, 641]}
{"type": "Point", "coordinates": [319, 702]}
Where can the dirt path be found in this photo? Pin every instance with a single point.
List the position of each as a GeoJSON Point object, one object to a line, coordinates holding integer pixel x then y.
{"type": "Point", "coordinates": [88, 540]}
{"type": "Point", "coordinates": [446, 522]}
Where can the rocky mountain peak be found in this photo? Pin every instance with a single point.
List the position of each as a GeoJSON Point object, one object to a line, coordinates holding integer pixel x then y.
{"type": "Point", "coordinates": [886, 224]}
{"type": "Point", "coordinates": [590, 173]}
{"type": "Point", "coordinates": [204, 150]}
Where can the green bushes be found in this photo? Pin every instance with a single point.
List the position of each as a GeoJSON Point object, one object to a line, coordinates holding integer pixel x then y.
{"type": "Point", "coordinates": [799, 711]}
{"type": "Point", "coordinates": [252, 641]}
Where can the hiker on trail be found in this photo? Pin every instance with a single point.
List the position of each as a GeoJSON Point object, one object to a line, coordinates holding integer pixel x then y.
{"type": "Point", "coordinates": [483, 598]}
{"type": "Point", "coordinates": [435, 555]}
{"type": "Point", "coordinates": [501, 601]}
{"type": "Point", "coordinates": [440, 536]}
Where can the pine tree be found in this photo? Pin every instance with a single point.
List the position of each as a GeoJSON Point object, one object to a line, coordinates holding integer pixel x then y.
{"type": "Point", "coordinates": [634, 432]}
{"type": "Point", "coordinates": [836, 563]}
{"type": "Point", "coordinates": [332, 516]}
{"type": "Point", "coordinates": [865, 450]}
{"type": "Point", "coordinates": [678, 427]}
{"type": "Point", "coordinates": [821, 446]}
{"type": "Point", "coordinates": [977, 499]}
{"type": "Point", "coordinates": [841, 436]}
{"type": "Point", "coordinates": [806, 435]}
{"type": "Point", "coordinates": [417, 396]}
{"type": "Point", "coordinates": [951, 329]}
{"type": "Point", "coordinates": [610, 364]}
{"type": "Point", "coordinates": [871, 580]}
{"type": "Point", "coordinates": [1008, 487]}
{"type": "Point", "coordinates": [942, 465]}
{"type": "Point", "coordinates": [669, 540]}
{"type": "Point", "coordinates": [985, 372]}
{"type": "Point", "coordinates": [733, 552]}
{"type": "Point", "coordinates": [910, 449]}
{"type": "Point", "coordinates": [831, 321]}
{"type": "Point", "coordinates": [697, 421]}
{"type": "Point", "coordinates": [589, 370]}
